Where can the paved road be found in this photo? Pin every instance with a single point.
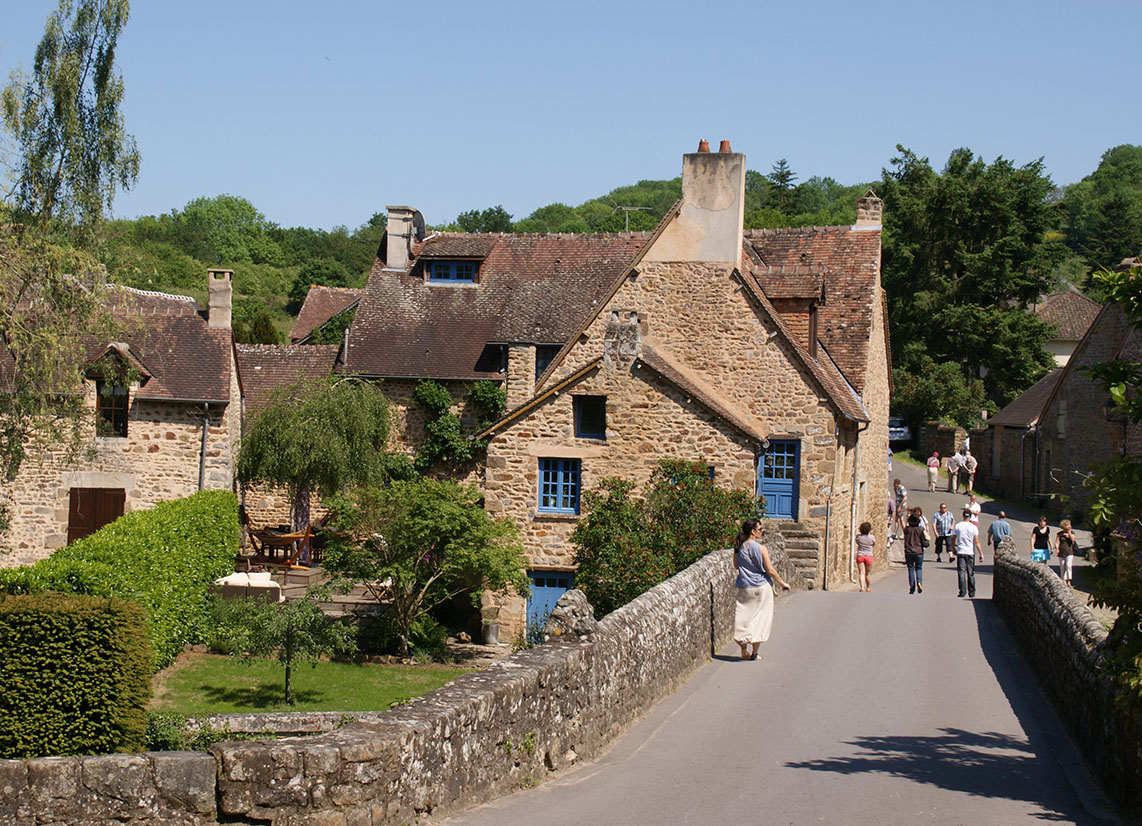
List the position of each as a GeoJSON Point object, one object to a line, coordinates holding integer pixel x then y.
{"type": "Point", "coordinates": [878, 708]}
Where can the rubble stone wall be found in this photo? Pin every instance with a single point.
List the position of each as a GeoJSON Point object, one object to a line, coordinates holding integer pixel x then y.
{"type": "Point", "coordinates": [487, 733]}
{"type": "Point", "coordinates": [1063, 642]}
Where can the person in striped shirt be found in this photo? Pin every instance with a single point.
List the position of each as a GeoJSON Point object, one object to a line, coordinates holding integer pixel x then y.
{"type": "Point", "coordinates": [942, 523]}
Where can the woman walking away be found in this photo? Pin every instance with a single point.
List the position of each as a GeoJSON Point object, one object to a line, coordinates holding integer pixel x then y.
{"type": "Point", "coordinates": [933, 470]}
{"type": "Point", "coordinates": [901, 493]}
{"type": "Point", "coordinates": [1065, 548]}
{"type": "Point", "coordinates": [1041, 541]}
{"type": "Point", "coordinates": [915, 541]}
{"type": "Point", "coordinates": [865, 542]}
{"type": "Point", "coordinates": [753, 615]}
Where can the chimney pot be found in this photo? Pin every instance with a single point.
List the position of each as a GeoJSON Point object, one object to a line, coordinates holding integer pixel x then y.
{"type": "Point", "coordinates": [725, 147]}
{"type": "Point", "coordinates": [703, 146]}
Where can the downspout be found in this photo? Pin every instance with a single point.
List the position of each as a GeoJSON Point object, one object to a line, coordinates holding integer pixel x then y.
{"type": "Point", "coordinates": [202, 453]}
{"type": "Point", "coordinates": [828, 518]}
{"type": "Point", "coordinates": [1022, 459]}
{"type": "Point", "coordinates": [853, 503]}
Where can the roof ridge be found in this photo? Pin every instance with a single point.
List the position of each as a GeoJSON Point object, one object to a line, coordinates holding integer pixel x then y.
{"type": "Point", "coordinates": [769, 231]}
{"type": "Point", "coordinates": [587, 235]}
{"type": "Point", "coordinates": [157, 294]}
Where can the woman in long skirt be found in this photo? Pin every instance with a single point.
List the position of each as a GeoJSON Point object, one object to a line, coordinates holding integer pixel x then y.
{"type": "Point", "coordinates": [753, 616]}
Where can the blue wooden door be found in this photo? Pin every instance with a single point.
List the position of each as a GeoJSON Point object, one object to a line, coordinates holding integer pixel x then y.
{"type": "Point", "coordinates": [777, 471]}
{"type": "Point", "coordinates": [546, 589]}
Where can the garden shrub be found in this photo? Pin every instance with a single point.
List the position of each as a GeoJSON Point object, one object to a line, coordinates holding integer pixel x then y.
{"type": "Point", "coordinates": [625, 545]}
{"type": "Point", "coordinates": [74, 675]}
{"type": "Point", "coordinates": [164, 558]}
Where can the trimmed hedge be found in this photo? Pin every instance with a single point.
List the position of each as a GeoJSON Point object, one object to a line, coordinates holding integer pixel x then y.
{"type": "Point", "coordinates": [74, 675]}
{"type": "Point", "coordinates": [164, 558]}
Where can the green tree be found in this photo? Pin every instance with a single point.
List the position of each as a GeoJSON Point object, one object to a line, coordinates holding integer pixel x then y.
{"type": "Point", "coordinates": [295, 631]}
{"type": "Point", "coordinates": [74, 150]}
{"type": "Point", "coordinates": [258, 329]}
{"type": "Point", "coordinates": [625, 546]}
{"type": "Point", "coordinates": [225, 230]}
{"type": "Point", "coordinates": [419, 543]}
{"type": "Point", "coordinates": [782, 178]}
{"type": "Point", "coordinates": [492, 219]}
{"type": "Point", "coordinates": [326, 272]}
{"type": "Point", "coordinates": [320, 435]}
{"type": "Point", "coordinates": [965, 252]}
{"type": "Point", "coordinates": [1104, 210]}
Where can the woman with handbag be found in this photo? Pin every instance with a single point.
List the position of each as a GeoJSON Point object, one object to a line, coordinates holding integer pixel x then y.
{"type": "Point", "coordinates": [753, 614]}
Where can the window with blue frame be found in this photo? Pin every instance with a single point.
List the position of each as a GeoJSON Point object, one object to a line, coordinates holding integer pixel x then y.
{"type": "Point", "coordinates": [454, 272]}
{"type": "Point", "coordinates": [544, 354]}
{"type": "Point", "coordinates": [590, 417]}
{"type": "Point", "coordinates": [559, 485]}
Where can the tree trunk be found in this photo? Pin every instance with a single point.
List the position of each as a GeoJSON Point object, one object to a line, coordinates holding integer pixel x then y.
{"type": "Point", "coordinates": [301, 508]}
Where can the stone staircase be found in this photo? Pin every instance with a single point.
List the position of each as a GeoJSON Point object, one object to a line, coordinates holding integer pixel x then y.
{"type": "Point", "coordinates": [803, 546]}
{"type": "Point", "coordinates": [295, 583]}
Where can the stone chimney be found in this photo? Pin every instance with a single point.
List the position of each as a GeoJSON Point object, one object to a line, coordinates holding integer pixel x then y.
{"type": "Point", "coordinates": [709, 227]}
{"type": "Point", "coordinates": [400, 230]}
{"type": "Point", "coordinates": [221, 292]}
{"type": "Point", "coordinates": [870, 210]}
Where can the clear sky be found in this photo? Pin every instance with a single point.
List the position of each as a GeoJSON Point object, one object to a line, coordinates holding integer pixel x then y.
{"type": "Point", "coordinates": [322, 113]}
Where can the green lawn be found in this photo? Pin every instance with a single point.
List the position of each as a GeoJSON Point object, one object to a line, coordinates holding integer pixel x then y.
{"type": "Point", "coordinates": [210, 684]}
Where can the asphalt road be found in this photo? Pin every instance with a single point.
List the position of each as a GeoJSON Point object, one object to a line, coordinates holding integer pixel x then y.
{"type": "Point", "coordinates": [877, 708]}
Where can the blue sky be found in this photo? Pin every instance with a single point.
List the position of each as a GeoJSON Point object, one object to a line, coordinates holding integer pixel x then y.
{"type": "Point", "coordinates": [321, 114]}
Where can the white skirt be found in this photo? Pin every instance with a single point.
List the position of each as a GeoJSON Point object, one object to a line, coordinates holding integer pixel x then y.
{"type": "Point", "coordinates": [753, 615]}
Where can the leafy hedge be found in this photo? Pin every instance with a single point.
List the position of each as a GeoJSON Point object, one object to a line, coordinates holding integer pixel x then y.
{"type": "Point", "coordinates": [164, 558]}
{"type": "Point", "coordinates": [74, 675]}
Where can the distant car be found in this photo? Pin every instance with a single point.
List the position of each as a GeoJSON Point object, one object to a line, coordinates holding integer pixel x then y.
{"type": "Point", "coordinates": [898, 429]}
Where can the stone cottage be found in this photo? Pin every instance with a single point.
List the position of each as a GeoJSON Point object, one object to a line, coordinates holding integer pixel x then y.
{"type": "Point", "coordinates": [762, 354]}
{"type": "Point", "coordinates": [173, 431]}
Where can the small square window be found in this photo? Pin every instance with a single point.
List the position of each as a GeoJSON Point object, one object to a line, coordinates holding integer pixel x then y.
{"type": "Point", "coordinates": [453, 271]}
{"type": "Point", "coordinates": [111, 407]}
{"type": "Point", "coordinates": [590, 417]}
{"type": "Point", "coordinates": [559, 485]}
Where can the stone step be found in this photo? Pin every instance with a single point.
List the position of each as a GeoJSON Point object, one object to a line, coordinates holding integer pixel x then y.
{"type": "Point", "coordinates": [807, 542]}
{"type": "Point", "coordinates": [801, 553]}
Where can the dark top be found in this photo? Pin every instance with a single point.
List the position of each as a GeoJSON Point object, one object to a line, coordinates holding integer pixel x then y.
{"type": "Point", "coordinates": [1040, 537]}
{"type": "Point", "coordinates": [1066, 545]}
{"type": "Point", "coordinates": [913, 539]}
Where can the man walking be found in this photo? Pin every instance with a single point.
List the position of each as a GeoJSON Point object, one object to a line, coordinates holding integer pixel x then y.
{"type": "Point", "coordinates": [954, 472]}
{"type": "Point", "coordinates": [996, 531]}
{"type": "Point", "coordinates": [967, 546]}
{"type": "Point", "coordinates": [970, 465]}
{"type": "Point", "coordinates": [942, 524]}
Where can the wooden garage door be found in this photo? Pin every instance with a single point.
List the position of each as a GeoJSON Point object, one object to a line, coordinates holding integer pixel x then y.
{"type": "Point", "coordinates": [92, 508]}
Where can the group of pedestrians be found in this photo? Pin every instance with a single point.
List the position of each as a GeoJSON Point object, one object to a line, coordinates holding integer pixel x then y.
{"type": "Point", "coordinates": [961, 467]}
{"type": "Point", "coordinates": [1064, 547]}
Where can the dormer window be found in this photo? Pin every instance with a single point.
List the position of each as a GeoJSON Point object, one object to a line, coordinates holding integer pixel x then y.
{"type": "Point", "coordinates": [453, 272]}
{"type": "Point", "coordinates": [111, 407]}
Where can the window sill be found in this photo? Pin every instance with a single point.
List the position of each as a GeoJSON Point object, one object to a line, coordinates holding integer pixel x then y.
{"type": "Point", "coordinates": [549, 516]}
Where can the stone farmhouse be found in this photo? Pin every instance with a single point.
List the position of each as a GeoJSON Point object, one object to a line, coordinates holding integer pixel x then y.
{"type": "Point", "coordinates": [762, 354]}
{"type": "Point", "coordinates": [1043, 445]}
{"type": "Point", "coordinates": [173, 431]}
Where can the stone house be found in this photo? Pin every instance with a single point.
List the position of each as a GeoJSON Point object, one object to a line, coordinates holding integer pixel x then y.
{"type": "Point", "coordinates": [762, 354]}
{"type": "Point", "coordinates": [1070, 314]}
{"type": "Point", "coordinates": [173, 431]}
{"type": "Point", "coordinates": [1045, 443]}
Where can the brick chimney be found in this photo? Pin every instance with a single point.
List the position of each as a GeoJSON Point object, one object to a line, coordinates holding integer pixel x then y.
{"type": "Point", "coordinates": [709, 227]}
{"type": "Point", "coordinates": [400, 230]}
{"type": "Point", "coordinates": [870, 210]}
{"type": "Point", "coordinates": [221, 290]}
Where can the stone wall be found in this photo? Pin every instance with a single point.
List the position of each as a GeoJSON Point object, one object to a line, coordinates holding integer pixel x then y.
{"type": "Point", "coordinates": [483, 735]}
{"type": "Point", "coordinates": [1062, 642]}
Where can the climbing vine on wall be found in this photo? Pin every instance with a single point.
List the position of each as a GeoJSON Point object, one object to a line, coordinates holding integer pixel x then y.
{"type": "Point", "coordinates": [445, 442]}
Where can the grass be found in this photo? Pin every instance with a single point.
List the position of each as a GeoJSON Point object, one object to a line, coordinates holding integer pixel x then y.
{"type": "Point", "coordinates": [199, 684]}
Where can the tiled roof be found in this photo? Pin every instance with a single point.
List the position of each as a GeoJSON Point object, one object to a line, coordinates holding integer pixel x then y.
{"type": "Point", "coordinates": [531, 289]}
{"type": "Point", "coordinates": [1070, 312]}
{"type": "Point", "coordinates": [167, 335]}
{"type": "Point", "coordinates": [266, 367]}
{"type": "Point", "coordinates": [1027, 407]}
{"type": "Point", "coordinates": [321, 304]}
{"type": "Point", "coordinates": [848, 261]}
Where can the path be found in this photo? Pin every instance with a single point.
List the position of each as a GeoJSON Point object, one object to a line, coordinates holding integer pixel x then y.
{"type": "Point", "coordinates": [878, 708]}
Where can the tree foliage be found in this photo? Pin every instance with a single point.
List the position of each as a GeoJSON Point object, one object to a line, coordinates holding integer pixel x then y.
{"type": "Point", "coordinates": [318, 435]}
{"type": "Point", "coordinates": [965, 252]}
{"type": "Point", "coordinates": [419, 543]}
{"type": "Point", "coordinates": [445, 442]}
{"type": "Point", "coordinates": [74, 150]}
{"type": "Point", "coordinates": [625, 546]}
{"type": "Point", "coordinates": [1104, 210]}
{"type": "Point", "coordinates": [292, 632]}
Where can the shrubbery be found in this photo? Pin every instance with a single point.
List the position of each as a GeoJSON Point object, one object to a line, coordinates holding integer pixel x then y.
{"type": "Point", "coordinates": [164, 558]}
{"type": "Point", "coordinates": [624, 546]}
{"type": "Point", "coordinates": [74, 675]}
